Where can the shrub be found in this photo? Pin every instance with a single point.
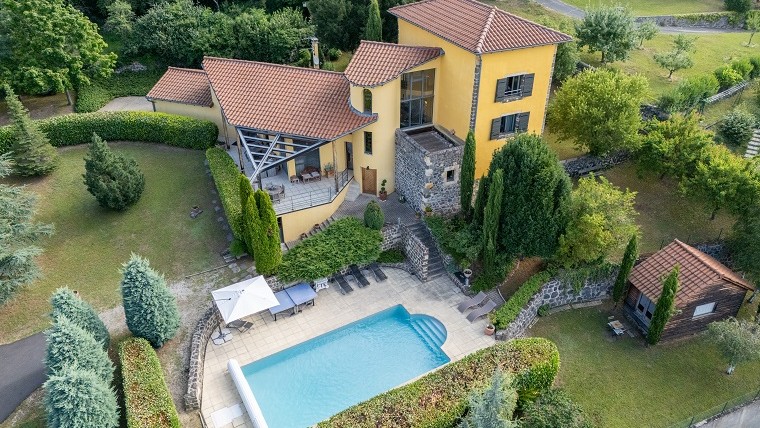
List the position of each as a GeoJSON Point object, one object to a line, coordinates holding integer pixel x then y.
{"type": "Point", "coordinates": [345, 242]}
{"type": "Point", "coordinates": [79, 398]}
{"type": "Point", "coordinates": [145, 126]}
{"type": "Point", "coordinates": [727, 76]}
{"type": "Point", "coordinates": [334, 53]}
{"type": "Point", "coordinates": [393, 255]}
{"type": "Point", "coordinates": [69, 344]}
{"type": "Point", "coordinates": [755, 61]}
{"type": "Point", "coordinates": [66, 303]}
{"type": "Point", "coordinates": [93, 97]}
{"type": "Point", "coordinates": [736, 128]}
{"type": "Point", "coordinates": [543, 310]}
{"type": "Point", "coordinates": [113, 179]}
{"type": "Point", "coordinates": [738, 6]}
{"type": "Point", "coordinates": [742, 66]}
{"type": "Point", "coordinates": [147, 400]}
{"type": "Point", "coordinates": [267, 252]}
{"type": "Point", "coordinates": [456, 237]}
{"type": "Point", "coordinates": [554, 409]}
{"type": "Point", "coordinates": [502, 317]}
{"type": "Point", "coordinates": [690, 93]}
{"type": "Point", "coordinates": [494, 406]}
{"type": "Point", "coordinates": [439, 399]}
{"type": "Point", "coordinates": [373, 216]}
{"type": "Point", "coordinates": [250, 222]}
{"type": "Point", "coordinates": [226, 173]}
{"type": "Point", "coordinates": [31, 151]}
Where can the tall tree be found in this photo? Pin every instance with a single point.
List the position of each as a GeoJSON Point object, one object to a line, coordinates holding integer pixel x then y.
{"type": "Point", "coordinates": [664, 308]}
{"type": "Point", "coordinates": [480, 201]}
{"type": "Point", "coordinates": [113, 179]}
{"type": "Point", "coordinates": [250, 214]}
{"type": "Point", "coordinates": [19, 235]}
{"type": "Point", "coordinates": [65, 53]}
{"type": "Point", "coordinates": [269, 257]}
{"type": "Point", "coordinates": [737, 340]}
{"type": "Point", "coordinates": [610, 30]}
{"type": "Point", "coordinates": [66, 303]}
{"type": "Point", "coordinates": [121, 19]}
{"type": "Point", "coordinates": [491, 221]}
{"type": "Point", "coordinates": [620, 289]}
{"type": "Point", "coordinates": [744, 243]}
{"type": "Point", "coordinates": [79, 398]}
{"type": "Point", "coordinates": [598, 110]}
{"type": "Point", "coordinates": [738, 6]}
{"type": "Point", "coordinates": [339, 23]}
{"type": "Point", "coordinates": [149, 306]}
{"type": "Point", "coordinates": [374, 29]}
{"type": "Point", "coordinates": [31, 150]}
{"type": "Point", "coordinates": [69, 344]}
{"type": "Point", "coordinates": [493, 407]}
{"type": "Point", "coordinates": [467, 175]}
{"type": "Point", "coordinates": [679, 57]}
{"type": "Point", "coordinates": [674, 146]}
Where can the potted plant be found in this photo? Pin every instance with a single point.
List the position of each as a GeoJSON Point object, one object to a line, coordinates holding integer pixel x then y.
{"type": "Point", "coordinates": [383, 195]}
{"type": "Point", "coordinates": [490, 330]}
{"type": "Point", "coordinates": [329, 169]}
{"type": "Point", "coordinates": [428, 210]}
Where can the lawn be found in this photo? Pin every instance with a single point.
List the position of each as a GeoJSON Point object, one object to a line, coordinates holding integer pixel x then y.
{"type": "Point", "coordinates": [528, 9]}
{"type": "Point", "coordinates": [90, 244]}
{"type": "Point", "coordinates": [627, 384]}
{"type": "Point", "coordinates": [656, 7]}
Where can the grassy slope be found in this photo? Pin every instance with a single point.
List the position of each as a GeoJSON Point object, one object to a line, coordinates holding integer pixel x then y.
{"type": "Point", "coordinates": [628, 384]}
{"type": "Point", "coordinates": [526, 8]}
{"type": "Point", "coordinates": [656, 7]}
{"type": "Point", "coordinates": [90, 244]}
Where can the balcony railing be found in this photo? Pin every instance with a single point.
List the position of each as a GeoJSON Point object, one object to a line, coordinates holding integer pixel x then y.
{"type": "Point", "coordinates": [320, 196]}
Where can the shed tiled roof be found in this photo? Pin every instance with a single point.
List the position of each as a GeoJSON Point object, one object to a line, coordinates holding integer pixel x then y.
{"type": "Point", "coordinates": [477, 27]}
{"type": "Point", "coordinates": [283, 99]}
{"type": "Point", "coordinates": [182, 85]}
{"type": "Point", "coordinates": [376, 63]}
{"type": "Point", "coordinates": [697, 271]}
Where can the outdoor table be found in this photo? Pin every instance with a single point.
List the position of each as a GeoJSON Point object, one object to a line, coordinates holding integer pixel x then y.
{"type": "Point", "coordinates": [301, 294]}
{"type": "Point", "coordinates": [617, 327]}
{"type": "Point", "coordinates": [286, 303]}
{"type": "Point", "coordinates": [316, 176]}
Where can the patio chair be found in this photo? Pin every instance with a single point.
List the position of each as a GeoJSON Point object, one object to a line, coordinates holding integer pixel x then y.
{"type": "Point", "coordinates": [240, 325]}
{"type": "Point", "coordinates": [359, 276]}
{"type": "Point", "coordinates": [483, 310]}
{"type": "Point", "coordinates": [472, 302]}
{"type": "Point", "coordinates": [343, 285]}
{"type": "Point", "coordinates": [380, 276]}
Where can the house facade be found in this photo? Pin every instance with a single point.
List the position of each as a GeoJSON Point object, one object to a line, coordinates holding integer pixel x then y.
{"type": "Point", "coordinates": [708, 290]}
{"type": "Point", "coordinates": [459, 65]}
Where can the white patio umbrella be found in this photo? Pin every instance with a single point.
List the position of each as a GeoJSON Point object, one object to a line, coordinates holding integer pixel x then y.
{"type": "Point", "coordinates": [244, 298]}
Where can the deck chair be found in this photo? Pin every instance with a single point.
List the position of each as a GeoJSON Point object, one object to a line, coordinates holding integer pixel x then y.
{"type": "Point", "coordinates": [472, 302]}
{"type": "Point", "coordinates": [343, 285]}
{"type": "Point", "coordinates": [240, 325]}
{"type": "Point", "coordinates": [380, 276]}
{"type": "Point", "coordinates": [360, 278]}
{"type": "Point", "coordinates": [479, 312]}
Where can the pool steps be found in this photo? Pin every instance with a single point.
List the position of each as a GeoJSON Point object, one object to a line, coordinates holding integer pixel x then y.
{"type": "Point", "coordinates": [430, 329]}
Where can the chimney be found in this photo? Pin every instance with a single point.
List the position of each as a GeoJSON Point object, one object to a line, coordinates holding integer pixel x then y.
{"type": "Point", "coordinates": [314, 52]}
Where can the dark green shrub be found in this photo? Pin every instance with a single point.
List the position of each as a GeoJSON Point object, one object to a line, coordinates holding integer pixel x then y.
{"type": "Point", "coordinates": [69, 344]}
{"type": "Point", "coordinates": [690, 93]}
{"type": "Point", "coordinates": [113, 179]}
{"type": "Point", "coordinates": [393, 255]}
{"type": "Point", "coordinates": [225, 173]}
{"type": "Point", "coordinates": [66, 303]}
{"type": "Point", "coordinates": [620, 289]}
{"type": "Point", "coordinates": [502, 317]}
{"type": "Point", "coordinates": [738, 6]}
{"type": "Point", "coordinates": [456, 237]}
{"type": "Point", "coordinates": [373, 216]}
{"type": "Point", "coordinates": [742, 66]}
{"type": "Point", "coordinates": [147, 401]}
{"type": "Point", "coordinates": [543, 310]}
{"type": "Point", "coordinates": [664, 308]}
{"type": "Point", "coordinates": [250, 222]}
{"type": "Point", "coordinates": [79, 398]}
{"type": "Point", "coordinates": [267, 249]}
{"type": "Point", "coordinates": [334, 53]}
{"type": "Point", "coordinates": [736, 128]}
{"type": "Point", "coordinates": [439, 399]}
{"type": "Point", "coordinates": [93, 97]}
{"type": "Point", "coordinates": [554, 409]}
{"type": "Point", "coordinates": [755, 61]}
{"type": "Point", "coordinates": [727, 76]}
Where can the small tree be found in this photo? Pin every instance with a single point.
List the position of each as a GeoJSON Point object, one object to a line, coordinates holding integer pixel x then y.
{"type": "Point", "coordinates": [674, 147]}
{"type": "Point", "coordinates": [69, 344]}
{"type": "Point", "coordinates": [269, 257]}
{"type": "Point", "coordinates": [554, 409]}
{"type": "Point", "coordinates": [737, 340]}
{"type": "Point", "coordinates": [66, 303]}
{"type": "Point", "coordinates": [494, 407]}
{"type": "Point", "coordinates": [664, 308]}
{"type": "Point", "coordinates": [738, 6]}
{"type": "Point", "coordinates": [646, 31]}
{"type": "Point", "coordinates": [149, 306]}
{"type": "Point", "coordinates": [491, 220]}
{"type": "Point", "coordinates": [374, 29]}
{"type": "Point", "coordinates": [467, 175]}
{"type": "Point", "coordinates": [31, 150]}
{"type": "Point", "coordinates": [752, 22]}
{"type": "Point", "coordinates": [679, 57]}
{"type": "Point", "coordinates": [114, 180]}
{"type": "Point", "coordinates": [736, 127]}
{"type": "Point", "coordinates": [373, 216]}
{"type": "Point", "coordinates": [121, 19]}
{"type": "Point", "coordinates": [620, 289]}
{"type": "Point", "coordinates": [79, 398]}
{"type": "Point", "coordinates": [249, 215]}
{"type": "Point", "coordinates": [610, 30]}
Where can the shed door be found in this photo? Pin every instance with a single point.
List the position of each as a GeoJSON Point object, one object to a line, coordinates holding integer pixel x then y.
{"type": "Point", "coordinates": [369, 181]}
{"type": "Point", "coordinates": [645, 308]}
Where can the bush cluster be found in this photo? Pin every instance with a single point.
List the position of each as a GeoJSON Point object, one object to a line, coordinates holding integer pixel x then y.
{"type": "Point", "coordinates": [394, 255]}
{"type": "Point", "coordinates": [373, 216]}
{"type": "Point", "coordinates": [690, 93]}
{"type": "Point", "coordinates": [732, 74]}
{"type": "Point", "coordinates": [93, 97]}
{"type": "Point", "coordinates": [147, 400]}
{"type": "Point", "coordinates": [145, 126]}
{"type": "Point", "coordinates": [225, 173]}
{"type": "Point", "coordinates": [439, 399]}
{"type": "Point", "coordinates": [502, 317]}
{"type": "Point", "coordinates": [736, 127]}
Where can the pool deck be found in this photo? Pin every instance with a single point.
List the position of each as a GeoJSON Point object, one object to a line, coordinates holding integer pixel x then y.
{"type": "Point", "coordinates": [438, 297]}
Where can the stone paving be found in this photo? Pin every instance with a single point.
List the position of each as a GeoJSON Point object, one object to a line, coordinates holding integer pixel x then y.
{"type": "Point", "coordinates": [438, 298]}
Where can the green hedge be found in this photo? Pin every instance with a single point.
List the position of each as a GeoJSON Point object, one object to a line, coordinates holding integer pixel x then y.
{"type": "Point", "coordinates": [440, 398]}
{"type": "Point", "coordinates": [226, 172]}
{"type": "Point", "coordinates": [147, 400]}
{"type": "Point", "coordinates": [149, 127]}
{"type": "Point", "coordinates": [99, 93]}
{"type": "Point", "coordinates": [503, 316]}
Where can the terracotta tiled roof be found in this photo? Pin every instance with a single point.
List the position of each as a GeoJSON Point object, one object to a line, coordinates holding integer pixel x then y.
{"type": "Point", "coordinates": [477, 27]}
{"type": "Point", "coordinates": [697, 271]}
{"type": "Point", "coordinates": [284, 99]}
{"type": "Point", "coordinates": [182, 85]}
{"type": "Point", "coordinates": [376, 63]}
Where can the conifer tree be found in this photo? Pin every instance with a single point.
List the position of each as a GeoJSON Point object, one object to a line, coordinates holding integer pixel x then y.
{"type": "Point", "coordinates": [116, 181]}
{"type": "Point", "coordinates": [373, 216]}
{"type": "Point", "coordinates": [149, 306]}
{"type": "Point", "coordinates": [249, 213]}
{"type": "Point", "coordinates": [269, 257]}
{"type": "Point", "coordinates": [494, 407]}
{"type": "Point", "coordinates": [629, 258]}
{"type": "Point", "coordinates": [69, 344]}
{"type": "Point", "coordinates": [66, 303]}
{"type": "Point", "coordinates": [374, 29]}
{"type": "Point", "coordinates": [467, 175]}
{"type": "Point", "coordinates": [79, 398]}
{"type": "Point", "coordinates": [491, 221]}
{"type": "Point", "coordinates": [480, 201]}
{"type": "Point", "coordinates": [665, 307]}
{"type": "Point", "coordinates": [31, 150]}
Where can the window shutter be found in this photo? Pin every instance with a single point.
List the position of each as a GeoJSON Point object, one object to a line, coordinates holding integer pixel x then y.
{"type": "Point", "coordinates": [527, 84]}
{"type": "Point", "coordinates": [501, 89]}
{"type": "Point", "coordinates": [522, 122]}
{"type": "Point", "coordinates": [495, 127]}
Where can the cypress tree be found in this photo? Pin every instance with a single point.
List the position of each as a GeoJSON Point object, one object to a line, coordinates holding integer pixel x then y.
{"type": "Point", "coordinates": [491, 220]}
{"type": "Point", "coordinates": [665, 306]}
{"type": "Point", "coordinates": [66, 303]}
{"type": "Point", "coordinates": [373, 216]}
{"type": "Point", "coordinates": [31, 150]}
{"type": "Point", "coordinates": [374, 29]}
{"type": "Point", "coordinates": [268, 259]}
{"type": "Point", "coordinates": [79, 398]}
{"type": "Point", "coordinates": [467, 175]}
{"type": "Point", "coordinates": [69, 344]}
{"type": "Point", "coordinates": [629, 258]}
{"type": "Point", "coordinates": [149, 306]}
{"type": "Point", "coordinates": [114, 180]}
{"type": "Point", "coordinates": [249, 211]}
{"type": "Point", "coordinates": [480, 201]}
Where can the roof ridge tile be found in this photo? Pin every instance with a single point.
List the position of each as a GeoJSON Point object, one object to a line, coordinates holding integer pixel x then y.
{"type": "Point", "coordinates": [271, 64]}
{"type": "Point", "coordinates": [486, 29]}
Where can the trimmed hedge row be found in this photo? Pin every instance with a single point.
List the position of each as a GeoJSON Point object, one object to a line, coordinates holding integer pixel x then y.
{"type": "Point", "coordinates": [150, 127]}
{"type": "Point", "coordinates": [147, 400]}
{"type": "Point", "coordinates": [439, 399]}
{"type": "Point", "coordinates": [503, 316]}
{"type": "Point", "coordinates": [96, 95]}
{"type": "Point", "coordinates": [226, 172]}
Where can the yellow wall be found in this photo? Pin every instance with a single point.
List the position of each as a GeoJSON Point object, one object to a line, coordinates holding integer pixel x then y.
{"type": "Point", "coordinates": [298, 222]}
{"type": "Point", "coordinates": [213, 114]}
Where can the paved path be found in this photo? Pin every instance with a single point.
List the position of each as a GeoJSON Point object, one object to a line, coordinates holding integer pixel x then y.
{"type": "Point", "coordinates": [128, 103]}
{"type": "Point", "coordinates": [22, 371]}
{"type": "Point", "coordinates": [746, 417]}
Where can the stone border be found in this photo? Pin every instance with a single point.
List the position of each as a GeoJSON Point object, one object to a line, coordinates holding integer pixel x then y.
{"type": "Point", "coordinates": [203, 330]}
{"type": "Point", "coordinates": [714, 20]}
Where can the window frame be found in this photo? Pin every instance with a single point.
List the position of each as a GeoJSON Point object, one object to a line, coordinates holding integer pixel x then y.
{"type": "Point", "coordinates": [702, 314]}
{"type": "Point", "coordinates": [367, 139]}
{"type": "Point", "coordinates": [417, 98]}
{"type": "Point", "coordinates": [367, 98]}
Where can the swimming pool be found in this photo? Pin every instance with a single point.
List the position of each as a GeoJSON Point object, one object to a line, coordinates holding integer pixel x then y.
{"type": "Point", "coordinates": [313, 380]}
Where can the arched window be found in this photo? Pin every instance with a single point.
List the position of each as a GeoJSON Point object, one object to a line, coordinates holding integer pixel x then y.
{"type": "Point", "coordinates": [367, 101]}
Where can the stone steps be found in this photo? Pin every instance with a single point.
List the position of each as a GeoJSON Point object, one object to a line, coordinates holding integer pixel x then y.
{"type": "Point", "coordinates": [753, 148]}
{"type": "Point", "coordinates": [436, 267]}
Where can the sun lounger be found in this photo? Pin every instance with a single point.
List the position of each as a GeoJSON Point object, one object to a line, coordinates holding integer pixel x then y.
{"type": "Point", "coordinates": [286, 304]}
{"type": "Point", "coordinates": [379, 274]}
{"type": "Point", "coordinates": [472, 302]}
{"type": "Point", "coordinates": [359, 276]}
{"type": "Point", "coordinates": [343, 285]}
{"type": "Point", "coordinates": [479, 312]}
{"type": "Point", "coordinates": [240, 325]}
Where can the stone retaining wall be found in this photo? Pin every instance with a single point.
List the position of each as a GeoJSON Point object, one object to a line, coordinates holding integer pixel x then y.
{"type": "Point", "coordinates": [716, 20]}
{"type": "Point", "coordinates": [417, 254]}
{"type": "Point", "coordinates": [201, 335]}
{"type": "Point", "coordinates": [392, 236]}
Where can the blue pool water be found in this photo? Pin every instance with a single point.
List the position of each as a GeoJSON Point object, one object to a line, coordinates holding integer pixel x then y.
{"type": "Point", "coordinates": [312, 381]}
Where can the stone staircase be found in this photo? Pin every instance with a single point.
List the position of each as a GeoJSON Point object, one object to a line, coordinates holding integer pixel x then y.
{"type": "Point", "coordinates": [314, 230]}
{"type": "Point", "coordinates": [354, 190]}
{"type": "Point", "coordinates": [436, 267]}
{"type": "Point", "coordinates": [754, 145]}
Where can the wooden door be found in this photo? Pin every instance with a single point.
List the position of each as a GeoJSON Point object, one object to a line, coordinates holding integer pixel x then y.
{"type": "Point", "coordinates": [369, 181]}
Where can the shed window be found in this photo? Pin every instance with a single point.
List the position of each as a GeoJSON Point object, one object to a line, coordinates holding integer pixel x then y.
{"type": "Point", "coordinates": [705, 309]}
{"type": "Point", "coordinates": [367, 101]}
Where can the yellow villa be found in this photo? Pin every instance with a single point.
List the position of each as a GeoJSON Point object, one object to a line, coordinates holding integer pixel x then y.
{"type": "Point", "coordinates": [398, 113]}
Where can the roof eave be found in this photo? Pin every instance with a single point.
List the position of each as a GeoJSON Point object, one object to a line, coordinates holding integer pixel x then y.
{"type": "Point", "coordinates": [151, 99]}
{"type": "Point", "coordinates": [396, 76]}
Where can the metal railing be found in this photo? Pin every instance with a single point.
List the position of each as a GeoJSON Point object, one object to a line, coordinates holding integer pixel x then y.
{"type": "Point", "coordinates": [717, 410]}
{"type": "Point", "coordinates": [314, 198]}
